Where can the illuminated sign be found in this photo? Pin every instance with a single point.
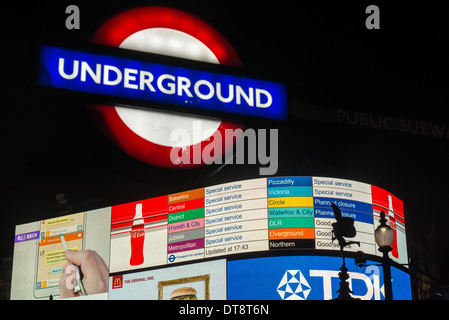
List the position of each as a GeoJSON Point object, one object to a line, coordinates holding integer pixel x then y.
{"type": "Point", "coordinates": [280, 213]}
{"type": "Point", "coordinates": [40, 263]}
{"type": "Point", "coordinates": [309, 278]}
{"type": "Point", "coordinates": [207, 279]}
{"type": "Point", "coordinates": [129, 78]}
{"type": "Point", "coordinates": [146, 134]}
{"type": "Point", "coordinates": [154, 247]}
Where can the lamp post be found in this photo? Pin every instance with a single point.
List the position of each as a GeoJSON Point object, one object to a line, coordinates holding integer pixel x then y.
{"type": "Point", "coordinates": [384, 236]}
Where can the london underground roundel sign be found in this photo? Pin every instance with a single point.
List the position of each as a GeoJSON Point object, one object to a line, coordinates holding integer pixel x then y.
{"type": "Point", "coordinates": [146, 134]}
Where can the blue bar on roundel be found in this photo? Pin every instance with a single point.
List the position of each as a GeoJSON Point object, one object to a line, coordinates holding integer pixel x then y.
{"type": "Point", "coordinates": [83, 71]}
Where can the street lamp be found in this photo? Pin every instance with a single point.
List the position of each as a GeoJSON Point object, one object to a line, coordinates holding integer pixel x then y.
{"type": "Point", "coordinates": [384, 236]}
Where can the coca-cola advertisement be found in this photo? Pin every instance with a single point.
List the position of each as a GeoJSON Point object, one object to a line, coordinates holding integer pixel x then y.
{"type": "Point", "coordinates": [138, 234]}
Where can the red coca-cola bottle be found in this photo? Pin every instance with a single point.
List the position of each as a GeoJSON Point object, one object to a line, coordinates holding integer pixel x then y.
{"type": "Point", "coordinates": [137, 238]}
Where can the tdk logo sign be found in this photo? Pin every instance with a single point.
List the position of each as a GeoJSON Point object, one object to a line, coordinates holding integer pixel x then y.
{"type": "Point", "coordinates": [309, 278]}
{"type": "Point", "coordinates": [293, 286]}
{"type": "Point", "coordinates": [166, 84]}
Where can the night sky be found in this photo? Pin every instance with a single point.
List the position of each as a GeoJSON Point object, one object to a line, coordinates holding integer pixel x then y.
{"type": "Point", "coordinates": [324, 54]}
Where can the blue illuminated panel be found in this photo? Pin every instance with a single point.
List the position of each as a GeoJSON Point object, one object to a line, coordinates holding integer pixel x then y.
{"type": "Point", "coordinates": [128, 78]}
{"type": "Point", "coordinates": [309, 278]}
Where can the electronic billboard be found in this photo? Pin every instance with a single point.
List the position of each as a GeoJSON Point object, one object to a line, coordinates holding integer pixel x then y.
{"type": "Point", "coordinates": [40, 259]}
{"type": "Point", "coordinates": [264, 238]}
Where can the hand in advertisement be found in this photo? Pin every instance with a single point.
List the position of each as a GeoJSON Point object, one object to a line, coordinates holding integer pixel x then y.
{"type": "Point", "coordinates": [94, 269]}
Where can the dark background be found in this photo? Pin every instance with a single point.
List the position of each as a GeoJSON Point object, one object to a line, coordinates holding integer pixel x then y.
{"type": "Point", "coordinates": [324, 54]}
